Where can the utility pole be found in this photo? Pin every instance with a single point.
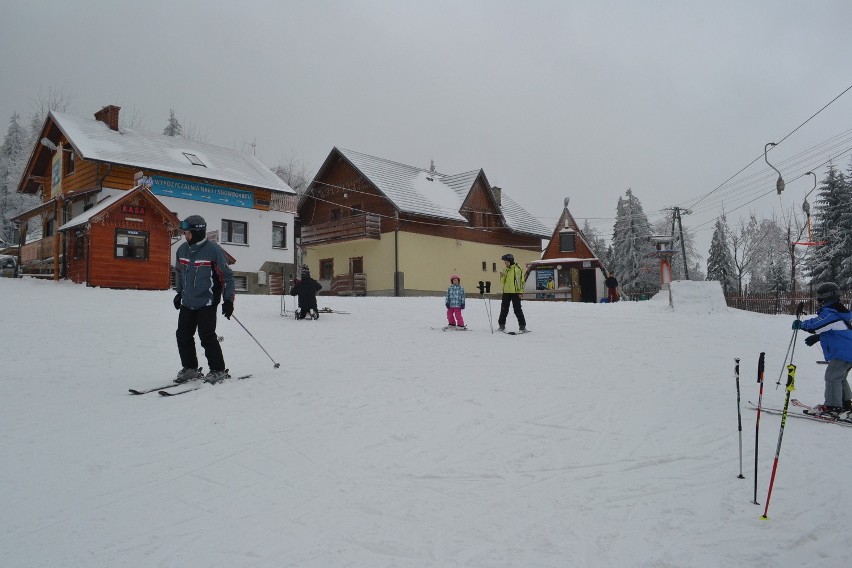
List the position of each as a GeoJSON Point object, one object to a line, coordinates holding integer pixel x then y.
{"type": "Point", "coordinates": [676, 218]}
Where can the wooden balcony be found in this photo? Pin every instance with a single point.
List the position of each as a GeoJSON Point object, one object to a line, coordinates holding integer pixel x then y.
{"type": "Point", "coordinates": [41, 249]}
{"type": "Point", "coordinates": [367, 226]}
{"type": "Point", "coordinates": [349, 285]}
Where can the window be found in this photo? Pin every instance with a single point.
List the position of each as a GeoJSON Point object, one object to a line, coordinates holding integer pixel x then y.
{"type": "Point", "coordinates": [194, 160]}
{"type": "Point", "coordinates": [240, 283]}
{"type": "Point", "coordinates": [131, 244]}
{"type": "Point", "coordinates": [493, 267]}
{"type": "Point", "coordinates": [357, 209]}
{"type": "Point", "coordinates": [484, 266]}
{"type": "Point", "coordinates": [567, 242]}
{"type": "Point", "coordinates": [335, 214]}
{"type": "Point", "coordinates": [234, 232]}
{"type": "Point", "coordinates": [69, 162]}
{"type": "Point", "coordinates": [279, 235]}
{"type": "Point", "coordinates": [78, 244]}
{"type": "Point", "coordinates": [356, 265]}
{"type": "Point", "coordinates": [326, 269]}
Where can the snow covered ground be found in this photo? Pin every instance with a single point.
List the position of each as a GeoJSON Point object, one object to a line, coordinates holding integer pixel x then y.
{"type": "Point", "coordinates": [606, 437]}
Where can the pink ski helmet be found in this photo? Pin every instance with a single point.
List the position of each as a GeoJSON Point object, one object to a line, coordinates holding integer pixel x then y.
{"type": "Point", "coordinates": [454, 277]}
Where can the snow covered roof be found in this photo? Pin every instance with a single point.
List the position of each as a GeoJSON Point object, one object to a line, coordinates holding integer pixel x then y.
{"type": "Point", "coordinates": [94, 140]}
{"type": "Point", "coordinates": [84, 217]}
{"type": "Point", "coordinates": [422, 192]}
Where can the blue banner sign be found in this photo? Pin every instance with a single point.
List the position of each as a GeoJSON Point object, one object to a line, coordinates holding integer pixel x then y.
{"type": "Point", "coordinates": [201, 192]}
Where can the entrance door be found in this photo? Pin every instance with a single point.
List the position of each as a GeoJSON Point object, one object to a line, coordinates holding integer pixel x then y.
{"type": "Point", "coordinates": [588, 293]}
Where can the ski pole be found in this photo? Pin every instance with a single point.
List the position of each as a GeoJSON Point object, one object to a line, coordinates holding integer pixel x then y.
{"type": "Point", "coordinates": [760, 367]}
{"type": "Point", "coordinates": [800, 309]}
{"type": "Point", "coordinates": [739, 415]}
{"type": "Point", "coordinates": [256, 341]}
{"type": "Point", "coordinates": [791, 386]}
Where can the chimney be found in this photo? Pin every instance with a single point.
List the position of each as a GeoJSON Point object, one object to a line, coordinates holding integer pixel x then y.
{"type": "Point", "coordinates": [498, 194]}
{"type": "Point", "coordinates": [109, 116]}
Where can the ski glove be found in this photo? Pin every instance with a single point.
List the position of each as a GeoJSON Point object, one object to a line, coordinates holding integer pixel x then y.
{"type": "Point", "coordinates": [448, 305]}
{"type": "Point", "coordinates": [811, 339]}
{"type": "Point", "coordinates": [228, 308]}
{"type": "Point", "coordinates": [177, 301]}
{"type": "Point", "coordinates": [462, 306]}
{"type": "Point", "coordinates": [797, 324]}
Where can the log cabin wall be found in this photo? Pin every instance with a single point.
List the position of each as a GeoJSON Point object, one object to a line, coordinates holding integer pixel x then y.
{"type": "Point", "coordinates": [110, 272]}
{"type": "Point", "coordinates": [341, 178]}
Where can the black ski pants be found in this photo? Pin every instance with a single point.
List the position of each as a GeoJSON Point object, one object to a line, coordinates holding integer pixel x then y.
{"type": "Point", "coordinates": [204, 321]}
{"type": "Point", "coordinates": [515, 301]}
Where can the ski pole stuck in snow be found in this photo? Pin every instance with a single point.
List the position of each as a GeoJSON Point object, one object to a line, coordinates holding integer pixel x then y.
{"type": "Point", "coordinates": [276, 365]}
{"type": "Point", "coordinates": [739, 415]}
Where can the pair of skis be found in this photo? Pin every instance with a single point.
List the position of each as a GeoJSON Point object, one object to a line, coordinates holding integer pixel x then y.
{"type": "Point", "coordinates": [196, 384]}
{"type": "Point", "coordinates": [843, 419]}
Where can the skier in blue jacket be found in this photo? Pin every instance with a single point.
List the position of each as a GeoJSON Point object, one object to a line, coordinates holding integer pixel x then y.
{"type": "Point", "coordinates": [203, 278]}
{"type": "Point", "coordinates": [832, 328]}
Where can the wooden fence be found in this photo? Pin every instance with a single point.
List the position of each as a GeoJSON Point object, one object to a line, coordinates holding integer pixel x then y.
{"type": "Point", "coordinates": [778, 302]}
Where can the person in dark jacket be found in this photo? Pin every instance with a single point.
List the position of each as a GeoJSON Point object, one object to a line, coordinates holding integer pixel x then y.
{"type": "Point", "coordinates": [611, 288]}
{"type": "Point", "coordinates": [832, 329]}
{"type": "Point", "coordinates": [306, 289]}
{"type": "Point", "coordinates": [203, 279]}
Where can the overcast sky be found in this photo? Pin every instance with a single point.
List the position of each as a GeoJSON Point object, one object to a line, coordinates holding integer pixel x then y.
{"type": "Point", "coordinates": [552, 99]}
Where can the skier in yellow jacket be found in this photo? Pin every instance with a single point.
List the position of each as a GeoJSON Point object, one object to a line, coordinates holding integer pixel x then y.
{"type": "Point", "coordinates": [512, 278]}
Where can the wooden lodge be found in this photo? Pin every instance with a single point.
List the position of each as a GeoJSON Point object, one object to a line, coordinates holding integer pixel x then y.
{"type": "Point", "coordinates": [123, 242]}
{"type": "Point", "coordinates": [88, 230]}
{"type": "Point", "coordinates": [568, 269]}
{"type": "Point", "coordinates": [377, 227]}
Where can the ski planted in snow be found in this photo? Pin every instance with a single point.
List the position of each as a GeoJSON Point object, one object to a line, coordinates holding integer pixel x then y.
{"type": "Point", "coordinates": [195, 388]}
{"type": "Point", "coordinates": [842, 420]}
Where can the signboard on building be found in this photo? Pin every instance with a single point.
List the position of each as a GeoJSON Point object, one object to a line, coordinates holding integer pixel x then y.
{"type": "Point", "coordinates": [183, 189]}
{"type": "Point", "coordinates": [56, 174]}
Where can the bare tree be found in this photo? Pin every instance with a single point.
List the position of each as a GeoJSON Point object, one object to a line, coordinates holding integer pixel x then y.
{"type": "Point", "coordinates": [293, 171]}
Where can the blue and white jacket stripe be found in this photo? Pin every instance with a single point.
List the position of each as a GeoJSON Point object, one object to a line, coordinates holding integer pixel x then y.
{"type": "Point", "coordinates": [833, 323]}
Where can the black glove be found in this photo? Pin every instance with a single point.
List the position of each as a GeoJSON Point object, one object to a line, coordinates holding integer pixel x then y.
{"type": "Point", "coordinates": [177, 301]}
{"type": "Point", "coordinates": [811, 339]}
{"type": "Point", "coordinates": [447, 304]}
{"type": "Point", "coordinates": [228, 308]}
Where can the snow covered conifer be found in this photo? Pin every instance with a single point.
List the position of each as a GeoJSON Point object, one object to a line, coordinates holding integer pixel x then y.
{"type": "Point", "coordinates": [174, 127]}
{"type": "Point", "coordinates": [720, 263]}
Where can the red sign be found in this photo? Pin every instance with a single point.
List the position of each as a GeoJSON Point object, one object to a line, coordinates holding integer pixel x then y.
{"type": "Point", "coordinates": [133, 209]}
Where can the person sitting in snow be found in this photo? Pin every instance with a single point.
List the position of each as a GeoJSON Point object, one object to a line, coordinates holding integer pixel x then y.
{"type": "Point", "coordinates": [306, 289]}
{"type": "Point", "coordinates": [832, 328]}
{"type": "Point", "coordinates": [455, 303]}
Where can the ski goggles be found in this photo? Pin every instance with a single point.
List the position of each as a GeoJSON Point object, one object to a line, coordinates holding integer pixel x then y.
{"type": "Point", "coordinates": [184, 226]}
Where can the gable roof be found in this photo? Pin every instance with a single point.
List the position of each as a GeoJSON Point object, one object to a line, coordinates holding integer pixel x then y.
{"type": "Point", "coordinates": [111, 200]}
{"type": "Point", "coordinates": [422, 192]}
{"type": "Point", "coordinates": [94, 140]}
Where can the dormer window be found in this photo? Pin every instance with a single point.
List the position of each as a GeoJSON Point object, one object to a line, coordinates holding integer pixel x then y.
{"type": "Point", "coordinates": [194, 160]}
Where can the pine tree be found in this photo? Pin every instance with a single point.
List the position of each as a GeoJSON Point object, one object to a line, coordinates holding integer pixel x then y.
{"type": "Point", "coordinates": [830, 214]}
{"type": "Point", "coordinates": [632, 262]}
{"type": "Point", "coordinates": [844, 248]}
{"type": "Point", "coordinates": [174, 128]}
{"type": "Point", "coordinates": [12, 154]}
{"type": "Point", "coordinates": [594, 239]}
{"type": "Point", "coordinates": [720, 263]}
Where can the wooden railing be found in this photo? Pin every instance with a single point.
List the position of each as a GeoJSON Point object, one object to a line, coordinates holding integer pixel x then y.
{"type": "Point", "coordinates": [778, 302]}
{"type": "Point", "coordinates": [349, 284]}
{"type": "Point", "coordinates": [356, 227]}
{"type": "Point", "coordinates": [41, 249]}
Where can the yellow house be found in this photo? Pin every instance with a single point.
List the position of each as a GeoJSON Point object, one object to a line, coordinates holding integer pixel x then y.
{"type": "Point", "coordinates": [377, 227]}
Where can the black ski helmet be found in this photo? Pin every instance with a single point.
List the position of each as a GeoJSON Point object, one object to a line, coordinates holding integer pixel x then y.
{"type": "Point", "coordinates": [196, 225]}
{"type": "Point", "coordinates": [508, 257]}
{"type": "Point", "coordinates": [828, 292]}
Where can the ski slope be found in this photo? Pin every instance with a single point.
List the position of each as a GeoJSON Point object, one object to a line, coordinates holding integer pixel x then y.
{"type": "Point", "coordinates": [606, 437]}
